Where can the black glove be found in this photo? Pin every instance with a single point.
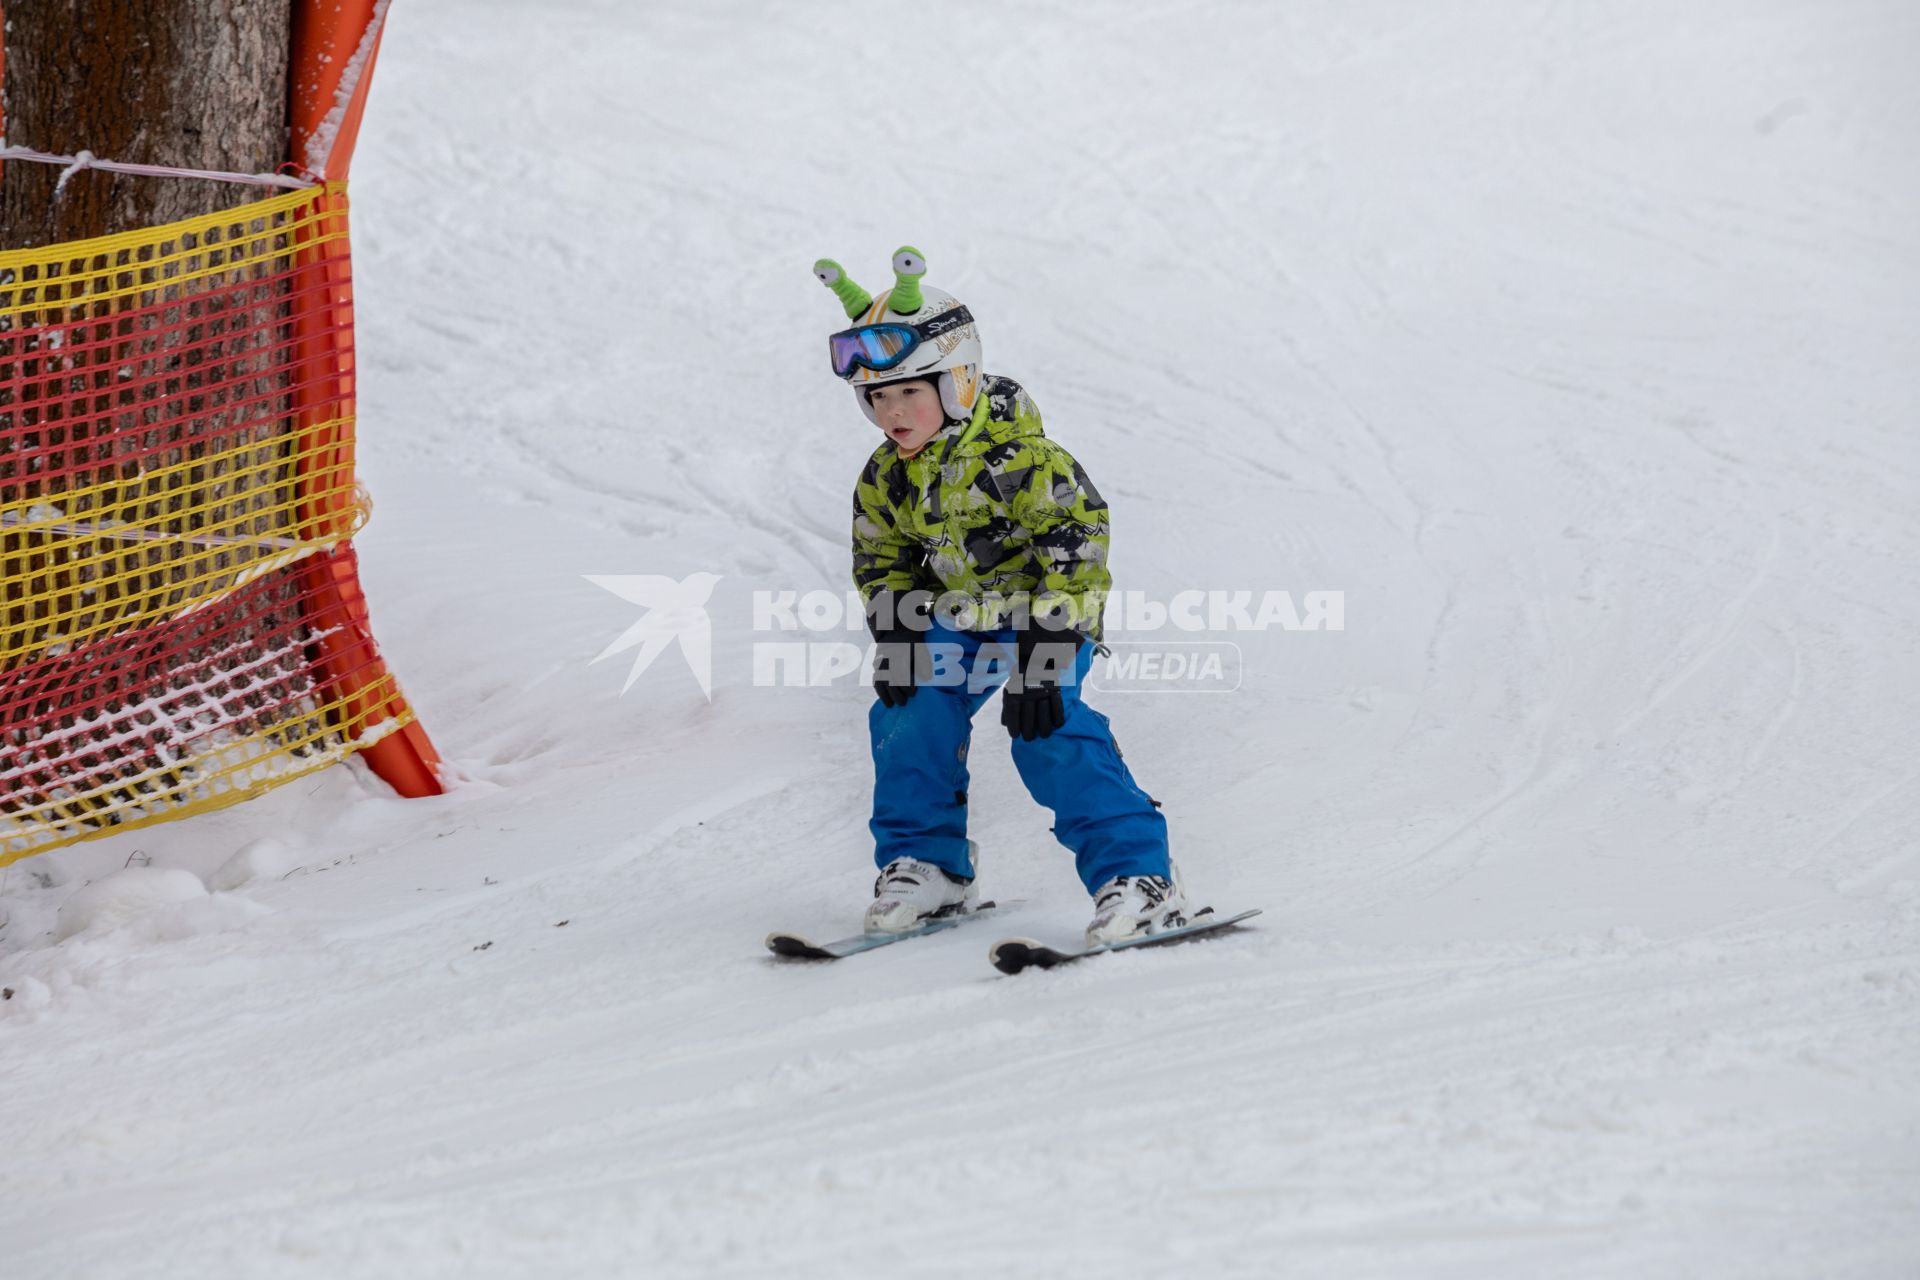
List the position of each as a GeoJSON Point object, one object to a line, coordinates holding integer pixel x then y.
{"type": "Point", "coordinates": [901, 662]}
{"type": "Point", "coordinates": [900, 656]}
{"type": "Point", "coordinates": [1032, 707]}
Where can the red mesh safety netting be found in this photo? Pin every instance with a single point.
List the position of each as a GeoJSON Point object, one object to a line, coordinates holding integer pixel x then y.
{"type": "Point", "coordinates": [180, 625]}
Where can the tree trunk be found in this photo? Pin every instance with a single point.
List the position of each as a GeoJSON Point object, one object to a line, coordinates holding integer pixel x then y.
{"type": "Point", "coordinates": [201, 84]}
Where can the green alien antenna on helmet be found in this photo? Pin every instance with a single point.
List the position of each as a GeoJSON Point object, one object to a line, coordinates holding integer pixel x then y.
{"type": "Point", "coordinates": [852, 296]}
{"type": "Point", "coordinates": [909, 264]}
{"type": "Point", "coordinates": [905, 299]}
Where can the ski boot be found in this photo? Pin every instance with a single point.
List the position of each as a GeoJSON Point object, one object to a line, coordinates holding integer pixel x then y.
{"type": "Point", "coordinates": [1133, 906]}
{"type": "Point", "coordinates": [910, 892]}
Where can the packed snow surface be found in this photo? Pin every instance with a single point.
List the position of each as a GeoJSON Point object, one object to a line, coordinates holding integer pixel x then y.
{"type": "Point", "coordinates": [1573, 343]}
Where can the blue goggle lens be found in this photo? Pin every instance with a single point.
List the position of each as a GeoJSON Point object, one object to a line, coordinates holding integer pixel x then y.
{"type": "Point", "coordinates": [878, 347]}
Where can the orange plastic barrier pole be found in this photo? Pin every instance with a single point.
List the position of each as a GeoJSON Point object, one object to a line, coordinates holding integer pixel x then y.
{"type": "Point", "coordinates": [335, 43]}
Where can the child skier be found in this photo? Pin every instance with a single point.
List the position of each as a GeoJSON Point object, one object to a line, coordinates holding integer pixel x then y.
{"type": "Point", "coordinates": [968, 505]}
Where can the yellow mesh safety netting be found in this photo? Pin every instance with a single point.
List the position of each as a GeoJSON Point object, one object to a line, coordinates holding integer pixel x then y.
{"type": "Point", "coordinates": [181, 625]}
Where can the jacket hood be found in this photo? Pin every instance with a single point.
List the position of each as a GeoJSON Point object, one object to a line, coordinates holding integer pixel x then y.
{"type": "Point", "coordinates": [1003, 413]}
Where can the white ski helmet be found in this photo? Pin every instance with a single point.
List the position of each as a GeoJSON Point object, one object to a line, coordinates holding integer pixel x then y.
{"type": "Point", "coordinates": [910, 331]}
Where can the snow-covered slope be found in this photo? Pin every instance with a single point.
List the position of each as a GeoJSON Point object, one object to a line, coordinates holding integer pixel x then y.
{"type": "Point", "coordinates": [1573, 343]}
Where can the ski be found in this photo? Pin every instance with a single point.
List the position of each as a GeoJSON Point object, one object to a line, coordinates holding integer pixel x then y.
{"type": "Point", "coordinates": [794, 946]}
{"type": "Point", "coordinates": [1011, 955]}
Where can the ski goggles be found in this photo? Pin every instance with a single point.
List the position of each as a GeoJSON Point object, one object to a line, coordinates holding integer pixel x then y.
{"type": "Point", "coordinates": [880, 347]}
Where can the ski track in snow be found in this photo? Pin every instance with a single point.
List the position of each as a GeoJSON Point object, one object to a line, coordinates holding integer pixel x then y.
{"type": "Point", "coordinates": [1573, 343]}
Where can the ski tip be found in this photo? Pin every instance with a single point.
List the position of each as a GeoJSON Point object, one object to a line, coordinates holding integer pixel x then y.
{"type": "Point", "coordinates": [1011, 955]}
{"type": "Point", "coordinates": [791, 946]}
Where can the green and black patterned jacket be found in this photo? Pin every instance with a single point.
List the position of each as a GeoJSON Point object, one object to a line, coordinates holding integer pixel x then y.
{"type": "Point", "coordinates": [989, 509]}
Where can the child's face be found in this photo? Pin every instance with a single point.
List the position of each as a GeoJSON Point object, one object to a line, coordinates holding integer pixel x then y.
{"type": "Point", "coordinates": [909, 412]}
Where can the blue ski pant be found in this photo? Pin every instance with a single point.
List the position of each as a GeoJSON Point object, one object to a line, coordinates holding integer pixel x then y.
{"type": "Point", "coordinates": [920, 769]}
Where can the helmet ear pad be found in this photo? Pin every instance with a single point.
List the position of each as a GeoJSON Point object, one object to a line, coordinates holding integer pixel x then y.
{"type": "Point", "coordinates": [959, 390]}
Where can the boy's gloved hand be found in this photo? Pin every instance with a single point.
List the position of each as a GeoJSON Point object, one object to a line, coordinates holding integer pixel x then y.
{"type": "Point", "coordinates": [900, 659]}
{"type": "Point", "coordinates": [898, 655]}
{"type": "Point", "coordinates": [1032, 707]}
